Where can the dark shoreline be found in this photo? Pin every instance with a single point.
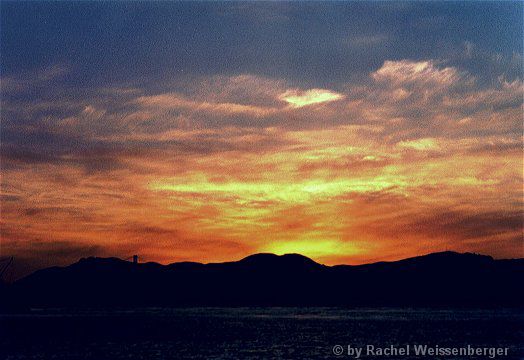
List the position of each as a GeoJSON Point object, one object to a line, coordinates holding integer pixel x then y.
{"type": "Point", "coordinates": [439, 280]}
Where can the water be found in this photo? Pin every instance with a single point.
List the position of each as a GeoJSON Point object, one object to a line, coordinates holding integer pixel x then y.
{"type": "Point", "coordinates": [251, 333]}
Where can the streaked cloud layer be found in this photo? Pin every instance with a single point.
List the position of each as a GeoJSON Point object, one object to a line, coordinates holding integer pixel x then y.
{"type": "Point", "coordinates": [412, 153]}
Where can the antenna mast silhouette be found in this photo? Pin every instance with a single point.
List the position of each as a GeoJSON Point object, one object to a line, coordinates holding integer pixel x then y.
{"type": "Point", "coordinates": [134, 259]}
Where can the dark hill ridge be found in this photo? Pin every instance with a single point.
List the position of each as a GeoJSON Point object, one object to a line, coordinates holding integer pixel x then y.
{"type": "Point", "coordinates": [291, 260]}
{"type": "Point", "coordinates": [438, 279]}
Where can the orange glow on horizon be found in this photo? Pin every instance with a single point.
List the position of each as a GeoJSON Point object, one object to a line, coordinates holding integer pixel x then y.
{"type": "Point", "coordinates": [210, 179]}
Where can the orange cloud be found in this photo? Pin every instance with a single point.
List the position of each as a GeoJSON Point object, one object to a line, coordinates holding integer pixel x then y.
{"type": "Point", "coordinates": [395, 167]}
{"type": "Point", "coordinates": [173, 101]}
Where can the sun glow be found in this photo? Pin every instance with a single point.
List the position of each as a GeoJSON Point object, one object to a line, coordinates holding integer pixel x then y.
{"type": "Point", "coordinates": [312, 247]}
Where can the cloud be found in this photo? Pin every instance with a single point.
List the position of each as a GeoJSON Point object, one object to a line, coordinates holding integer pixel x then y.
{"type": "Point", "coordinates": [503, 94]}
{"type": "Point", "coordinates": [27, 81]}
{"type": "Point", "coordinates": [420, 144]}
{"type": "Point", "coordinates": [293, 192]}
{"type": "Point", "coordinates": [214, 168]}
{"type": "Point", "coordinates": [175, 101]}
{"type": "Point", "coordinates": [298, 98]}
{"type": "Point", "coordinates": [413, 73]}
{"type": "Point", "coordinates": [455, 227]}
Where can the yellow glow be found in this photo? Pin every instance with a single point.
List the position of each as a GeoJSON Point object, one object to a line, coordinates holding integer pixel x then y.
{"type": "Point", "coordinates": [299, 99]}
{"type": "Point", "coordinates": [237, 166]}
{"type": "Point", "coordinates": [420, 144]}
{"type": "Point", "coordinates": [312, 248]}
{"type": "Point", "coordinates": [284, 191]}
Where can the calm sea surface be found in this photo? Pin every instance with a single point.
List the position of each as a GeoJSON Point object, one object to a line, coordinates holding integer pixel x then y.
{"type": "Point", "coordinates": [252, 333]}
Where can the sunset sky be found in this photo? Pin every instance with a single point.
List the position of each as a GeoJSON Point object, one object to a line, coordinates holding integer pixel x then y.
{"type": "Point", "coordinates": [348, 132]}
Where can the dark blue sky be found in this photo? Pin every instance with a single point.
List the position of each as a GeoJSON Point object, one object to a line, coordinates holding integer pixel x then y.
{"type": "Point", "coordinates": [310, 44]}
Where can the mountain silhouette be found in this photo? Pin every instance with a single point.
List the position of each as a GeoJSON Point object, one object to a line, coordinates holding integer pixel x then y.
{"type": "Point", "coordinates": [438, 279]}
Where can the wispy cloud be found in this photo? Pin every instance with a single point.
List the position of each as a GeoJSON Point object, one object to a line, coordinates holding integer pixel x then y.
{"type": "Point", "coordinates": [424, 73]}
{"type": "Point", "coordinates": [411, 159]}
{"type": "Point", "coordinates": [297, 98]}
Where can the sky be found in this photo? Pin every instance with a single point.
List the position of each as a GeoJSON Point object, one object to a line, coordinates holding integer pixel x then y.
{"type": "Point", "coordinates": [350, 132]}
